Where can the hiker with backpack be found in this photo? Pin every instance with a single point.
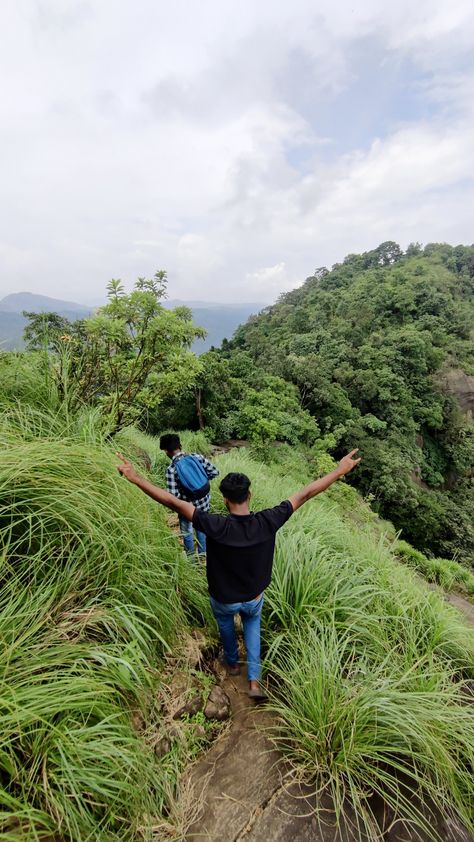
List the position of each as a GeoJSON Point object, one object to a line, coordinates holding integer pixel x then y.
{"type": "Point", "coordinates": [187, 478]}
{"type": "Point", "coordinates": [240, 550]}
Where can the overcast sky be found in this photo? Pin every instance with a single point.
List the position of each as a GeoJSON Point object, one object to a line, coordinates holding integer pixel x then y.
{"type": "Point", "coordinates": [239, 145]}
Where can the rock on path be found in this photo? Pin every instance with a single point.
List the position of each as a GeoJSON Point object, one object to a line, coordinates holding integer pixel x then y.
{"type": "Point", "coordinates": [246, 787]}
{"type": "Point", "coordinates": [247, 791]}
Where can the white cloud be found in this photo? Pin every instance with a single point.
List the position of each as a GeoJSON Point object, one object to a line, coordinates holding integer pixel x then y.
{"type": "Point", "coordinates": [271, 280]}
{"type": "Point", "coordinates": [135, 136]}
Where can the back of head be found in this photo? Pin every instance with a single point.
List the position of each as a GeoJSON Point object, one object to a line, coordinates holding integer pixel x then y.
{"type": "Point", "coordinates": [170, 442]}
{"type": "Point", "coordinates": [235, 487]}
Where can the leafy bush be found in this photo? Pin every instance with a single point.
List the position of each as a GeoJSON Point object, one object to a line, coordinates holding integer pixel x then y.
{"type": "Point", "coordinates": [126, 358]}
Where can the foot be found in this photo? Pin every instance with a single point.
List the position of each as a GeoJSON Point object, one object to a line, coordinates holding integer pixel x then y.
{"type": "Point", "coordinates": [232, 669]}
{"type": "Point", "coordinates": [256, 692]}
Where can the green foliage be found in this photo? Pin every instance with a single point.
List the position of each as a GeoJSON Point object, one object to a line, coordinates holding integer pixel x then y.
{"type": "Point", "coordinates": [358, 728]}
{"type": "Point", "coordinates": [233, 399]}
{"type": "Point", "coordinates": [369, 665]}
{"type": "Point", "coordinates": [368, 345]}
{"type": "Point", "coordinates": [44, 330]}
{"type": "Point", "coordinates": [26, 378]}
{"type": "Point", "coordinates": [450, 575]}
{"type": "Point", "coordinates": [124, 359]}
{"type": "Point", "coordinates": [272, 411]}
{"type": "Point", "coordinates": [94, 589]}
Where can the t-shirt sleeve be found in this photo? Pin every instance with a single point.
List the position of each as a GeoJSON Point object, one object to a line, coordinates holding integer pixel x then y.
{"type": "Point", "coordinates": [212, 525]}
{"type": "Point", "coordinates": [278, 515]}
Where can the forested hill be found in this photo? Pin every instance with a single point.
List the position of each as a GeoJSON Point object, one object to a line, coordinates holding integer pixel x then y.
{"type": "Point", "coordinates": [381, 349]}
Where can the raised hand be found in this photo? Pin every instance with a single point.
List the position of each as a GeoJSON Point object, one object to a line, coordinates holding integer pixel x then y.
{"type": "Point", "coordinates": [348, 462]}
{"type": "Point", "coordinates": [126, 468]}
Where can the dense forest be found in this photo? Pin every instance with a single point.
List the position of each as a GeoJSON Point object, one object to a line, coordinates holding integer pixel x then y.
{"type": "Point", "coordinates": [376, 352]}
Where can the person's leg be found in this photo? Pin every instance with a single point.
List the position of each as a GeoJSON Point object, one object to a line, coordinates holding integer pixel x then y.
{"type": "Point", "coordinates": [224, 614]}
{"type": "Point", "coordinates": [201, 542]}
{"type": "Point", "coordinates": [251, 613]}
{"type": "Point", "coordinates": [187, 534]}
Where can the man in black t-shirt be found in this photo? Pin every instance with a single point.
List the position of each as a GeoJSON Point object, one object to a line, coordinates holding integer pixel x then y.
{"type": "Point", "coordinates": [240, 550]}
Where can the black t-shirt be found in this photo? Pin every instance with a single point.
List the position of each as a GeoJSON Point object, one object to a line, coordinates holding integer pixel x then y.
{"type": "Point", "coordinates": [240, 550]}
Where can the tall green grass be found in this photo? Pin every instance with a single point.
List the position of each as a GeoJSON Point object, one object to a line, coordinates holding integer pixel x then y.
{"type": "Point", "coordinates": [369, 666]}
{"type": "Point", "coordinates": [94, 589]}
{"type": "Point", "coordinates": [445, 572]}
{"type": "Point", "coordinates": [26, 377]}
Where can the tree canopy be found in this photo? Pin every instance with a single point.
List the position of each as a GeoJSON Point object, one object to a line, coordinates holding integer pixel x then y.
{"type": "Point", "coordinates": [127, 357]}
{"type": "Point", "coordinates": [367, 344]}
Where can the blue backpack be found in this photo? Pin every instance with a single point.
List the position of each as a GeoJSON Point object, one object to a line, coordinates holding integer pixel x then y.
{"type": "Point", "coordinates": [192, 479]}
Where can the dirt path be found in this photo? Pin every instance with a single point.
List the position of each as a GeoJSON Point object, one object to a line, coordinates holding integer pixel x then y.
{"type": "Point", "coordinates": [247, 791]}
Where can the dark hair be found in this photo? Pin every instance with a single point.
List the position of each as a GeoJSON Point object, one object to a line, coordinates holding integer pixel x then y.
{"type": "Point", "coordinates": [170, 442]}
{"type": "Point", "coordinates": [235, 487]}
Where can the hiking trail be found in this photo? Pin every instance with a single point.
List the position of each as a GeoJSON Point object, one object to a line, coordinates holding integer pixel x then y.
{"type": "Point", "coordinates": [246, 787]}
{"type": "Point", "coordinates": [247, 791]}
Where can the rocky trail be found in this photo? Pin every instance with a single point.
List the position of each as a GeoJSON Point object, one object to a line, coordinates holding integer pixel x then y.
{"type": "Point", "coordinates": [245, 791]}
{"type": "Point", "coordinates": [245, 786]}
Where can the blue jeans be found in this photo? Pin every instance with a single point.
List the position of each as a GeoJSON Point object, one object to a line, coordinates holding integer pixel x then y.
{"type": "Point", "coordinates": [187, 534]}
{"type": "Point", "coordinates": [250, 613]}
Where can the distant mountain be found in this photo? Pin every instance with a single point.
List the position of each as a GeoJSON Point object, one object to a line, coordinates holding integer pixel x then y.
{"type": "Point", "coordinates": [219, 320]}
{"type": "Point", "coordinates": [30, 301]}
{"type": "Point", "coordinates": [11, 331]}
{"type": "Point", "coordinates": [12, 322]}
{"type": "Point", "coordinates": [170, 303]}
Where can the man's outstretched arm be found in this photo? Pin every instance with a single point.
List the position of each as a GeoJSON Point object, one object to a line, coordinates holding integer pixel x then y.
{"type": "Point", "coordinates": [345, 465]}
{"type": "Point", "coordinates": [159, 494]}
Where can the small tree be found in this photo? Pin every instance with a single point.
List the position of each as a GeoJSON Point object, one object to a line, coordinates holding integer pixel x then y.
{"type": "Point", "coordinates": [129, 355]}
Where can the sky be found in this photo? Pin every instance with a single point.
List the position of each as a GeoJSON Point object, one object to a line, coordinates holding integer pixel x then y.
{"type": "Point", "coordinates": [238, 145]}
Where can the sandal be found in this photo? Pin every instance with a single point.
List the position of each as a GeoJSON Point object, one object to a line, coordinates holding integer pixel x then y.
{"type": "Point", "coordinates": [258, 694]}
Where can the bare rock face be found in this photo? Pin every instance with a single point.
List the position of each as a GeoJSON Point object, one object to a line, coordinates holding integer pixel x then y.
{"type": "Point", "coordinates": [456, 382]}
{"type": "Point", "coordinates": [218, 705]}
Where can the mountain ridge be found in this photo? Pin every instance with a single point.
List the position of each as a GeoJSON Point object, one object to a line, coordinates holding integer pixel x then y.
{"type": "Point", "coordinates": [218, 319]}
{"type": "Point", "coordinates": [16, 302]}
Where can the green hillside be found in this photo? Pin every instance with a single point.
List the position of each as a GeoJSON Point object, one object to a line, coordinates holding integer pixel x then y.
{"type": "Point", "coordinates": [369, 670]}
{"type": "Point", "coordinates": [379, 351]}
{"type": "Point", "coordinates": [95, 591]}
